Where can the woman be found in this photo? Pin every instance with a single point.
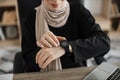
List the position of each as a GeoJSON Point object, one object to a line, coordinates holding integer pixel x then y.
{"type": "Point", "coordinates": [61, 30]}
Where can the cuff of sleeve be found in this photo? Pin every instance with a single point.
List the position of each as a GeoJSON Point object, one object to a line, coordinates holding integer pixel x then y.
{"type": "Point", "coordinates": [32, 64]}
{"type": "Point", "coordinates": [76, 53]}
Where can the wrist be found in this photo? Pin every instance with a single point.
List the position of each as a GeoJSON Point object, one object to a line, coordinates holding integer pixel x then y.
{"type": "Point", "coordinates": [63, 50]}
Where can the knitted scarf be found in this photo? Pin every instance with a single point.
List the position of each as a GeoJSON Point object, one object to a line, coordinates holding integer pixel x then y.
{"type": "Point", "coordinates": [57, 18]}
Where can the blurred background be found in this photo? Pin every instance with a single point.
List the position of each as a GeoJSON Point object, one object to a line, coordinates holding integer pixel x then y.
{"type": "Point", "coordinates": [106, 13]}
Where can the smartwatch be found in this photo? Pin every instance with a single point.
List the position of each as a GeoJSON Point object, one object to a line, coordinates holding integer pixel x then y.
{"type": "Point", "coordinates": [65, 45]}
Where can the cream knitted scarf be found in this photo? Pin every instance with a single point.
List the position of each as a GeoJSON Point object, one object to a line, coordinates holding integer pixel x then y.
{"type": "Point", "coordinates": [45, 17]}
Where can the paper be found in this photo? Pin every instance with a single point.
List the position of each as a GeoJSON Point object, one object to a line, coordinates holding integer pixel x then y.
{"type": "Point", "coordinates": [6, 77]}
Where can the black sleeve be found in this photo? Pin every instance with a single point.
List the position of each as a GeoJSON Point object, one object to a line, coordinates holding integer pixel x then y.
{"type": "Point", "coordinates": [94, 42]}
{"type": "Point", "coordinates": [29, 47]}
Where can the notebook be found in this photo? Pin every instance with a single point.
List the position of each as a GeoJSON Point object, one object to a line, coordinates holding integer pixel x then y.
{"type": "Point", "coordinates": [105, 71]}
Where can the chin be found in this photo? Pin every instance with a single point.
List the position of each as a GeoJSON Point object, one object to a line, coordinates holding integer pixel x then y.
{"type": "Point", "coordinates": [57, 8]}
{"type": "Point", "coordinates": [54, 9]}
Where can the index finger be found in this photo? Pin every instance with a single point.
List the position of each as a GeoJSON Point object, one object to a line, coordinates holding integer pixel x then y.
{"type": "Point", "coordinates": [54, 37]}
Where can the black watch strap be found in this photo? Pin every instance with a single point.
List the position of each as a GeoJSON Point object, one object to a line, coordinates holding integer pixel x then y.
{"type": "Point", "coordinates": [65, 44]}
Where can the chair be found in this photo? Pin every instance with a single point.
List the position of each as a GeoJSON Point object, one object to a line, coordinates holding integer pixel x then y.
{"type": "Point", "coordinates": [24, 8]}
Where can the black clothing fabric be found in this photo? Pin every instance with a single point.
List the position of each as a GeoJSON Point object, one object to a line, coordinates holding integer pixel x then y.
{"type": "Point", "coordinates": [84, 35]}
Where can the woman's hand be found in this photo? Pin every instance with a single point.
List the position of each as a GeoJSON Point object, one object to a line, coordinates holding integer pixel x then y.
{"type": "Point", "coordinates": [46, 55]}
{"type": "Point", "coordinates": [49, 40]}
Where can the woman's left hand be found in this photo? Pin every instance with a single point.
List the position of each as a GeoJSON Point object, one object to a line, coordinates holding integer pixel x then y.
{"type": "Point", "coordinates": [46, 55]}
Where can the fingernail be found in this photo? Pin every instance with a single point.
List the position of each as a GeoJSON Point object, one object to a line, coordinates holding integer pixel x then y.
{"type": "Point", "coordinates": [64, 38]}
{"type": "Point", "coordinates": [36, 61]}
{"type": "Point", "coordinates": [50, 46]}
{"type": "Point", "coordinates": [42, 46]}
{"type": "Point", "coordinates": [39, 66]}
{"type": "Point", "coordinates": [37, 43]}
{"type": "Point", "coordinates": [56, 45]}
{"type": "Point", "coordinates": [43, 67]}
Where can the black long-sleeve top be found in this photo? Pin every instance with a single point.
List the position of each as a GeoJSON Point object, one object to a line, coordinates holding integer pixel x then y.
{"type": "Point", "coordinates": [84, 35]}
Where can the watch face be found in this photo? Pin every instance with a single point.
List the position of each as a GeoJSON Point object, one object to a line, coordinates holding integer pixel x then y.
{"type": "Point", "coordinates": [64, 44]}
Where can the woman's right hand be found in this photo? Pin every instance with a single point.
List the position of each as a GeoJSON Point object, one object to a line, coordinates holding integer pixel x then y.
{"type": "Point", "coordinates": [49, 40]}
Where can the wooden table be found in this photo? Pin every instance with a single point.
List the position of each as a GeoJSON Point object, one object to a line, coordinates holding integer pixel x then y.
{"type": "Point", "coordinates": [66, 74]}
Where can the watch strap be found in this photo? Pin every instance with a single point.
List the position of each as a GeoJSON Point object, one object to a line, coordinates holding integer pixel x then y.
{"type": "Point", "coordinates": [65, 45]}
